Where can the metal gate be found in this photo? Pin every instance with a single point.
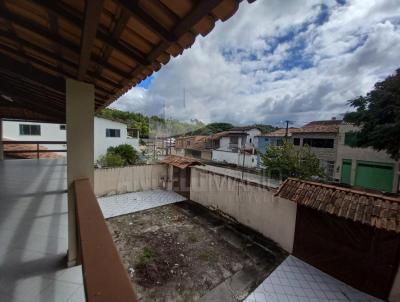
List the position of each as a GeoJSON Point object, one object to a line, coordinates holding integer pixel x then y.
{"type": "Point", "coordinates": [362, 256]}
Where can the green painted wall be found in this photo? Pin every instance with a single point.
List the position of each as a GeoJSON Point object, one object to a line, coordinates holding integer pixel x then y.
{"type": "Point", "coordinates": [374, 175]}
{"type": "Point", "coordinates": [346, 172]}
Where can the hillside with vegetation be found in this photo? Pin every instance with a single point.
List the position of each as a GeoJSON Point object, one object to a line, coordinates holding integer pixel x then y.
{"type": "Point", "coordinates": [171, 126]}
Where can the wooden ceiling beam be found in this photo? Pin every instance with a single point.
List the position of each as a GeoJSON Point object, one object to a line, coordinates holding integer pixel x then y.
{"type": "Point", "coordinates": [32, 102]}
{"type": "Point", "coordinates": [20, 82]}
{"type": "Point", "coordinates": [32, 74]}
{"type": "Point", "coordinates": [183, 26]}
{"type": "Point", "coordinates": [34, 93]}
{"type": "Point", "coordinates": [17, 111]}
{"type": "Point", "coordinates": [57, 57]}
{"type": "Point", "coordinates": [53, 21]}
{"type": "Point", "coordinates": [93, 9]}
{"type": "Point", "coordinates": [26, 89]}
{"type": "Point", "coordinates": [119, 27]}
{"type": "Point", "coordinates": [58, 41]}
{"type": "Point", "coordinates": [136, 11]}
{"type": "Point", "coordinates": [75, 19]}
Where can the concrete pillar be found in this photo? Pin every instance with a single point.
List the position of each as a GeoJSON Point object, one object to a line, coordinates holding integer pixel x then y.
{"type": "Point", "coordinates": [1, 141]}
{"type": "Point", "coordinates": [80, 145]}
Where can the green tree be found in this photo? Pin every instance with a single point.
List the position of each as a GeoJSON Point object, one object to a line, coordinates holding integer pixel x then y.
{"type": "Point", "coordinates": [378, 115]}
{"type": "Point", "coordinates": [288, 161]}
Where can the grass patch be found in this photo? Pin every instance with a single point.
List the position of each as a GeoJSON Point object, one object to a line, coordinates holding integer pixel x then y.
{"type": "Point", "coordinates": [146, 256]}
{"type": "Point", "coordinates": [192, 238]}
{"type": "Point", "coordinates": [208, 256]}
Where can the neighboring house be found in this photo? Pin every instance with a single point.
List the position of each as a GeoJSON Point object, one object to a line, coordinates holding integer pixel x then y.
{"type": "Point", "coordinates": [322, 138]}
{"type": "Point", "coordinates": [110, 133]}
{"type": "Point", "coordinates": [107, 133]}
{"type": "Point", "coordinates": [365, 167]}
{"type": "Point", "coordinates": [274, 138]}
{"type": "Point", "coordinates": [33, 131]}
{"type": "Point", "coordinates": [193, 146]}
{"type": "Point", "coordinates": [236, 146]}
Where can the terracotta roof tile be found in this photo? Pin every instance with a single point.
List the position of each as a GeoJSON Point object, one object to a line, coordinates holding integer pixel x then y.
{"type": "Point", "coordinates": [133, 39]}
{"type": "Point", "coordinates": [28, 155]}
{"type": "Point", "coordinates": [180, 161]}
{"type": "Point", "coordinates": [374, 209]}
{"type": "Point", "coordinates": [228, 133]}
{"type": "Point", "coordinates": [330, 126]}
{"type": "Point", "coordinates": [281, 132]}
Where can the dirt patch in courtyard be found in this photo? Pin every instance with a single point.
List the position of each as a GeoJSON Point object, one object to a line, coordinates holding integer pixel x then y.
{"type": "Point", "coordinates": [172, 256]}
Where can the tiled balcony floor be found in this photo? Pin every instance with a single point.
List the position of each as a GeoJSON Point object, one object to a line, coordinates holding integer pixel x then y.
{"type": "Point", "coordinates": [121, 204]}
{"type": "Point", "coordinates": [295, 280]}
{"type": "Point", "coordinates": [34, 232]}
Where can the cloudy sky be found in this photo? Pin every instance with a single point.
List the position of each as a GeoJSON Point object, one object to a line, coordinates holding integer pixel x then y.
{"type": "Point", "coordinates": [277, 60]}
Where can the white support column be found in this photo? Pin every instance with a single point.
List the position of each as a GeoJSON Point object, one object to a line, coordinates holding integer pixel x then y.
{"type": "Point", "coordinates": [1, 141]}
{"type": "Point", "coordinates": [80, 146]}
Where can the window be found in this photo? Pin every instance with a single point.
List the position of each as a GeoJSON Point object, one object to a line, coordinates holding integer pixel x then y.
{"type": "Point", "coordinates": [349, 138]}
{"type": "Point", "coordinates": [250, 140]}
{"type": "Point", "coordinates": [233, 140]}
{"type": "Point", "coordinates": [296, 141]}
{"type": "Point", "coordinates": [25, 129]}
{"type": "Point", "coordinates": [62, 127]}
{"type": "Point", "coordinates": [319, 142]}
{"type": "Point", "coordinates": [113, 133]}
{"type": "Point", "coordinates": [279, 142]}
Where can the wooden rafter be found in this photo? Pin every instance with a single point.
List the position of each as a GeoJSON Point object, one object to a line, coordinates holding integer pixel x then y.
{"type": "Point", "coordinates": [135, 10]}
{"type": "Point", "coordinates": [53, 21]}
{"type": "Point", "coordinates": [92, 15]}
{"type": "Point", "coordinates": [201, 8]}
{"type": "Point", "coordinates": [61, 60]}
{"type": "Point", "coordinates": [32, 74]}
{"type": "Point", "coordinates": [65, 12]}
{"type": "Point", "coordinates": [119, 27]}
{"type": "Point", "coordinates": [33, 102]}
{"type": "Point", "coordinates": [42, 42]}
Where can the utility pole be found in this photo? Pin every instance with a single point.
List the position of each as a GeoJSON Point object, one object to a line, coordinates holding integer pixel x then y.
{"type": "Point", "coordinates": [287, 129]}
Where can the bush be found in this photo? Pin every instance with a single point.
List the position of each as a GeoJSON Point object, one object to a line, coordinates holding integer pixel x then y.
{"type": "Point", "coordinates": [287, 161]}
{"type": "Point", "coordinates": [111, 160]}
{"type": "Point", "coordinates": [128, 154]}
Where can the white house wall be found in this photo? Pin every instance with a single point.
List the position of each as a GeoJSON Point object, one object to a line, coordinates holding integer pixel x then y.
{"type": "Point", "coordinates": [49, 132]}
{"type": "Point", "coordinates": [101, 142]}
{"type": "Point", "coordinates": [224, 143]}
{"type": "Point", "coordinates": [250, 139]}
{"type": "Point", "coordinates": [250, 161]}
{"type": "Point", "coordinates": [52, 132]}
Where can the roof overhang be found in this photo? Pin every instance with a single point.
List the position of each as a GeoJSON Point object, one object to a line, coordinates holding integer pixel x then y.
{"type": "Point", "coordinates": [113, 44]}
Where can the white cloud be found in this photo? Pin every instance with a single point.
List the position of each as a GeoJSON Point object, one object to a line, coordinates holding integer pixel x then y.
{"type": "Point", "coordinates": [274, 60]}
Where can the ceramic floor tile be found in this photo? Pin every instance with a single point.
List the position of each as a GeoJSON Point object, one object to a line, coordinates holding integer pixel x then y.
{"type": "Point", "coordinates": [78, 296]}
{"type": "Point", "coordinates": [122, 204]}
{"type": "Point", "coordinates": [295, 280]}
